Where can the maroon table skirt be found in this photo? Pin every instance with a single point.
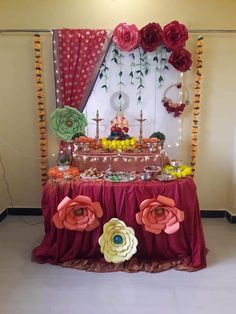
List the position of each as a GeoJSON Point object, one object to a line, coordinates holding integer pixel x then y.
{"type": "Point", "coordinates": [184, 250]}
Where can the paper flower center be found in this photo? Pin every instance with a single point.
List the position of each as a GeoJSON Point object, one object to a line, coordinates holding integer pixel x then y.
{"type": "Point", "coordinates": [69, 123]}
{"type": "Point", "coordinates": [159, 211]}
{"type": "Point", "coordinates": [117, 239]}
{"type": "Point", "coordinates": [79, 212]}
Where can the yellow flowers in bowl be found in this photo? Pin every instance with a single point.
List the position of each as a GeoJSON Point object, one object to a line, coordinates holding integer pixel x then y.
{"type": "Point", "coordinates": [119, 145]}
{"type": "Point", "coordinates": [178, 172]}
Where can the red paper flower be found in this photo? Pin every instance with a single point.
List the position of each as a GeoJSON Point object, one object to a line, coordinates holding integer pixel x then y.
{"type": "Point", "coordinates": [78, 214]}
{"type": "Point", "coordinates": [159, 214]}
{"type": "Point", "coordinates": [175, 35]}
{"type": "Point", "coordinates": [181, 59]}
{"type": "Point", "coordinates": [151, 37]}
{"type": "Point", "coordinates": [126, 37]}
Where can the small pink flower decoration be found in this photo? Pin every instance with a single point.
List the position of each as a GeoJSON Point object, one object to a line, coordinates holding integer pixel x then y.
{"type": "Point", "coordinates": [126, 37]}
{"type": "Point", "coordinates": [78, 214]}
{"type": "Point", "coordinates": [157, 214]}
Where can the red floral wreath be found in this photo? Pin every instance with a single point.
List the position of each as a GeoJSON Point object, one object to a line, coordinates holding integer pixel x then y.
{"type": "Point", "coordinates": [175, 107]}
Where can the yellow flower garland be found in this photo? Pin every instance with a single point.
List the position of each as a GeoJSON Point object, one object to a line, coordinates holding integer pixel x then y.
{"type": "Point", "coordinates": [196, 104]}
{"type": "Point", "coordinates": [41, 108]}
{"type": "Point", "coordinates": [182, 173]}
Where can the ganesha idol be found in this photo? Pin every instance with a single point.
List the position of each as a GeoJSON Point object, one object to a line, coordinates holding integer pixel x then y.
{"type": "Point", "coordinates": [119, 128]}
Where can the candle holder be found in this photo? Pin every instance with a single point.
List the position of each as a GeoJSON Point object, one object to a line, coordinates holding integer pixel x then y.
{"type": "Point", "coordinates": [97, 120]}
{"type": "Point", "coordinates": [140, 140]}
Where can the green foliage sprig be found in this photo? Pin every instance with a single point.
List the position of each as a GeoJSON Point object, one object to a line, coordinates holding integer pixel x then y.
{"type": "Point", "coordinates": [158, 135]}
{"type": "Point", "coordinates": [161, 63]}
{"type": "Point", "coordinates": [117, 57]}
{"type": "Point", "coordinates": [103, 74]}
{"type": "Point", "coordinates": [132, 66]}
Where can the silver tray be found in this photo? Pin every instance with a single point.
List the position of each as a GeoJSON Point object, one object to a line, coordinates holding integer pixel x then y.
{"type": "Point", "coordinates": [165, 177]}
{"type": "Point", "coordinates": [117, 177]}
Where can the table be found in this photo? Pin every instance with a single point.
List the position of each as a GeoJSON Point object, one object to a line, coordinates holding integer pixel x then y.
{"type": "Point", "coordinates": [183, 250]}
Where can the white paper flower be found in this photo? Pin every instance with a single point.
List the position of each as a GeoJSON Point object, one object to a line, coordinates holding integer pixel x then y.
{"type": "Point", "coordinates": [118, 242]}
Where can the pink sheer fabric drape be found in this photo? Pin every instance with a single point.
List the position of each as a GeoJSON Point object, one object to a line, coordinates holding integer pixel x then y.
{"type": "Point", "coordinates": [79, 53]}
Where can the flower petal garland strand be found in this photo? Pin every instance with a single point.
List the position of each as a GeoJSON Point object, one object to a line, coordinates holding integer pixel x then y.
{"type": "Point", "coordinates": [151, 37]}
{"type": "Point", "coordinates": [41, 108]}
{"type": "Point", "coordinates": [78, 214]}
{"type": "Point", "coordinates": [67, 121]}
{"type": "Point", "coordinates": [160, 214]}
{"type": "Point", "coordinates": [118, 242]}
{"type": "Point", "coordinates": [175, 35]}
{"type": "Point", "coordinates": [196, 103]}
{"type": "Point", "coordinates": [126, 37]}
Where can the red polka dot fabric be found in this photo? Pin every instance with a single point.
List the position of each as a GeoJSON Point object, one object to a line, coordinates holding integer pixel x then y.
{"type": "Point", "coordinates": [79, 51]}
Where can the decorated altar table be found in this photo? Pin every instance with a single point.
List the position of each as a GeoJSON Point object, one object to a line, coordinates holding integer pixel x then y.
{"type": "Point", "coordinates": [184, 249]}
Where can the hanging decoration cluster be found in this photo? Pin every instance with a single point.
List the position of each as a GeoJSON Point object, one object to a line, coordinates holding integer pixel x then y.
{"type": "Point", "coordinates": [178, 107]}
{"type": "Point", "coordinates": [41, 107]}
{"type": "Point", "coordinates": [196, 103]}
{"type": "Point", "coordinates": [173, 37]}
{"type": "Point", "coordinates": [152, 44]}
{"type": "Point", "coordinates": [118, 242]}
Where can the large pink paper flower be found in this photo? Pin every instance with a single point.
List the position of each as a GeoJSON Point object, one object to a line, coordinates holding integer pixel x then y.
{"type": "Point", "coordinates": [78, 214]}
{"type": "Point", "coordinates": [126, 37]}
{"type": "Point", "coordinates": [157, 214]}
{"type": "Point", "coordinates": [175, 35]}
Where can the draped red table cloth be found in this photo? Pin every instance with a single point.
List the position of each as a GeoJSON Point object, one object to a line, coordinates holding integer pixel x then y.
{"type": "Point", "coordinates": [183, 250]}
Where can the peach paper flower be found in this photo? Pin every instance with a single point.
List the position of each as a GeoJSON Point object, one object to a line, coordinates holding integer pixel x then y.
{"type": "Point", "coordinates": [78, 214]}
{"type": "Point", "coordinates": [159, 214]}
{"type": "Point", "coordinates": [126, 37]}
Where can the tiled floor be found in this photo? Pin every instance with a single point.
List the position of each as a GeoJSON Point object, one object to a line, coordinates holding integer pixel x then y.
{"type": "Point", "coordinates": [27, 287]}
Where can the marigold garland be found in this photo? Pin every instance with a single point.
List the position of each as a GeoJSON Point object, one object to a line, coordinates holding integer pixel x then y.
{"type": "Point", "coordinates": [196, 104]}
{"type": "Point", "coordinates": [41, 108]}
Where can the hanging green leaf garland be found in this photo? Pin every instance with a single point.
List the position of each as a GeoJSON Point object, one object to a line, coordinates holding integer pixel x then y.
{"type": "Point", "coordinates": [103, 74]}
{"type": "Point", "coordinates": [161, 60]}
{"type": "Point", "coordinates": [117, 57]}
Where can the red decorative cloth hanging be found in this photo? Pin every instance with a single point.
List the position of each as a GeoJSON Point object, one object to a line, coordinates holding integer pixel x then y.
{"type": "Point", "coordinates": [78, 54]}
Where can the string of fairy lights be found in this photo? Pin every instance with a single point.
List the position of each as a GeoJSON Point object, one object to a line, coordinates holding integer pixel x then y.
{"type": "Point", "coordinates": [119, 157]}
{"type": "Point", "coordinates": [177, 143]}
